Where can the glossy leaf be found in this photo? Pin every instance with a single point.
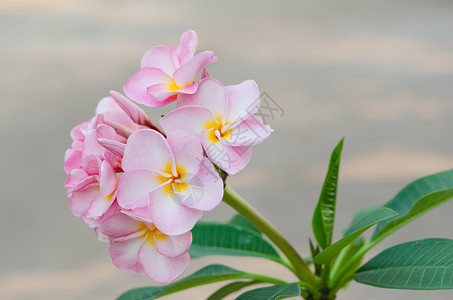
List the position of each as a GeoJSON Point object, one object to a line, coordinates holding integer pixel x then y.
{"type": "Point", "coordinates": [415, 199]}
{"type": "Point", "coordinates": [229, 239]}
{"type": "Point", "coordinates": [419, 265]}
{"type": "Point", "coordinates": [358, 226]}
{"type": "Point", "coordinates": [281, 291]}
{"type": "Point", "coordinates": [324, 215]}
{"type": "Point", "coordinates": [209, 274]}
{"type": "Point", "coordinates": [230, 288]}
{"type": "Point", "coordinates": [242, 222]}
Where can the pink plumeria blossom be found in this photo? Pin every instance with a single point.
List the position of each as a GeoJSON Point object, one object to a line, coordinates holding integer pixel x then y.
{"type": "Point", "coordinates": [137, 246]}
{"type": "Point", "coordinates": [223, 119]}
{"type": "Point", "coordinates": [168, 182]}
{"type": "Point", "coordinates": [166, 72]}
{"type": "Point", "coordinates": [92, 189]}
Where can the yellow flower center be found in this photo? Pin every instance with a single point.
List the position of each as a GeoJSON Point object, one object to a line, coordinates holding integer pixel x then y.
{"type": "Point", "coordinates": [173, 186]}
{"type": "Point", "coordinates": [173, 86]}
{"type": "Point", "coordinates": [216, 125]}
{"type": "Point", "coordinates": [152, 234]}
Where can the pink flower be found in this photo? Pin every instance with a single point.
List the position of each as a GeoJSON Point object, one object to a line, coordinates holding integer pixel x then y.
{"type": "Point", "coordinates": [139, 247]}
{"type": "Point", "coordinates": [167, 182]}
{"type": "Point", "coordinates": [92, 189]}
{"type": "Point", "coordinates": [166, 72]}
{"type": "Point", "coordinates": [223, 118]}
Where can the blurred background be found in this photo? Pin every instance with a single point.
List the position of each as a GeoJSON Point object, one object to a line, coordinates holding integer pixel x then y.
{"type": "Point", "coordinates": [379, 73]}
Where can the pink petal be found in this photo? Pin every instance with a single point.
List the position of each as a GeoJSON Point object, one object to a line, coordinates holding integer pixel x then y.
{"type": "Point", "coordinates": [168, 216]}
{"type": "Point", "coordinates": [205, 74]}
{"type": "Point", "coordinates": [188, 154]}
{"type": "Point", "coordinates": [133, 111]}
{"type": "Point", "coordinates": [76, 176]}
{"type": "Point", "coordinates": [79, 131]}
{"type": "Point", "coordinates": [147, 149]}
{"type": "Point", "coordinates": [205, 190]}
{"type": "Point", "coordinates": [210, 94]}
{"type": "Point", "coordinates": [120, 225]}
{"type": "Point", "coordinates": [108, 183]}
{"type": "Point", "coordinates": [125, 255]}
{"type": "Point", "coordinates": [134, 188]}
{"type": "Point", "coordinates": [161, 92]}
{"type": "Point", "coordinates": [91, 164]}
{"type": "Point", "coordinates": [81, 199]}
{"type": "Point", "coordinates": [190, 120]}
{"type": "Point", "coordinates": [243, 100]}
{"type": "Point", "coordinates": [115, 147]}
{"type": "Point", "coordinates": [136, 86]}
{"type": "Point", "coordinates": [251, 131]}
{"type": "Point", "coordinates": [185, 75]}
{"type": "Point", "coordinates": [89, 180]}
{"type": "Point", "coordinates": [161, 57]}
{"type": "Point", "coordinates": [160, 268]}
{"type": "Point", "coordinates": [173, 245]}
{"type": "Point", "coordinates": [91, 145]}
{"type": "Point", "coordinates": [73, 160]}
{"type": "Point", "coordinates": [187, 46]}
{"type": "Point", "coordinates": [231, 159]}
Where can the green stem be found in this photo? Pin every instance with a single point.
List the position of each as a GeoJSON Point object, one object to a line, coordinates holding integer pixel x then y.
{"type": "Point", "coordinates": [312, 289]}
{"type": "Point", "coordinates": [344, 271]}
{"type": "Point", "coordinates": [241, 206]}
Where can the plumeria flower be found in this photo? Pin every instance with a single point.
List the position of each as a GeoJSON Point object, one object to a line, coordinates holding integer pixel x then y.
{"type": "Point", "coordinates": [168, 182]}
{"type": "Point", "coordinates": [92, 189]}
{"type": "Point", "coordinates": [137, 246]}
{"type": "Point", "coordinates": [223, 119]}
{"type": "Point", "coordinates": [166, 72]}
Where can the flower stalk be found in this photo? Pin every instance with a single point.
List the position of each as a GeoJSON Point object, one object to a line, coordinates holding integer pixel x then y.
{"type": "Point", "coordinates": [301, 269]}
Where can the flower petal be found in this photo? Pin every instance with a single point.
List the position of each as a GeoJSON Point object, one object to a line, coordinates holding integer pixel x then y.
{"type": "Point", "coordinates": [205, 190]}
{"type": "Point", "coordinates": [173, 245]}
{"type": "Point", "coordinates": [243, 100]}
{"type": "Point", "coordinates": [125, 255]}
{"type": "Point", "coordinates": [185, 75]}
{"type": "Point", "coordinates": [168, 216]}
{"type": "Point", "coordinates": [133, 111]}
{"type": "Point", "coordinates": [120, 225]}
{"type": "Point", "coordinates": [188, 155]}
{"type": "Point", "coordinates": [161, 268]}
{"type": "Point", "coordinates": [136, 86]}
{"type": "Point", "coordinates": [251, 131]}
{"type": "Point", "coordinates": [211, 94]}
{"type": "Point", "coordinates": [231, 159]}
{"type": "Point", "coordinates": [186, 120]}
{"type": "Point", "coordinates": [81, 199]}
{"type": "Point", "coordinates": [146, 149]}
{"type": "Point", "coordinates": [187, 46]}
{"type": "Point", "coordinates": [161, 57]}
{"type": "Point", "coordinates": [134, 188]}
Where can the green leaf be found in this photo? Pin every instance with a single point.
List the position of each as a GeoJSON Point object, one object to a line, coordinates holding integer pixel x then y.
{"type": "Point", "coordinates": [281, 291]}
{"type": "Point", "coordinates": [358, 226]}
{"type": "Point", "coordinates": [230, 288]}
{"type": "Point", "coordinates": [209, 274]}
{"type": "Point", "coordinates": [229, 239]}
{"type": "Point", "coordinates": [324, 215]}
{"type": "Point", "coordinates": [419, 265]}
{"type": "Point", "coordinates": [415, 199]}
{"type": "Point", "coordinates": [242, 222]}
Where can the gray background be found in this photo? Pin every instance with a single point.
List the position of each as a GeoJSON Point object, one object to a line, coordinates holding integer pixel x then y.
{"type": "Point", "coordinates": [377, 72]}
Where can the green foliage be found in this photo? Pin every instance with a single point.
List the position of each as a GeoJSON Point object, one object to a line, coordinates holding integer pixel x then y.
{"type": "Point", "coordinates": [230, 239]}
{"type": "Point", "coordinates": [415, 199]}
{"type": "Point", "coordinates": [244, 223]}
{"type": "Point", "coordinates": [230, 288]}
{"type": "Point", "coordinates": [324, 215]}
{"type": "Point", "coordinates": [419, 265]}
{"type": "Point", "coordinates": [358, 226]}
{"type": "Point", "coordinates": [281, 291]}
{"type": "Point", "coordinates": [209, 274]}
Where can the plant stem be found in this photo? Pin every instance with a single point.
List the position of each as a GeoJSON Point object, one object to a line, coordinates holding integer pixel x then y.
{"type": "Point", "coordinates": [241, 206]}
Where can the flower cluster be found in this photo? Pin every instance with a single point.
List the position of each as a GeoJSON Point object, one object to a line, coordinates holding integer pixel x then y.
{"type": "Point", "coordinates": [143, 189]}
